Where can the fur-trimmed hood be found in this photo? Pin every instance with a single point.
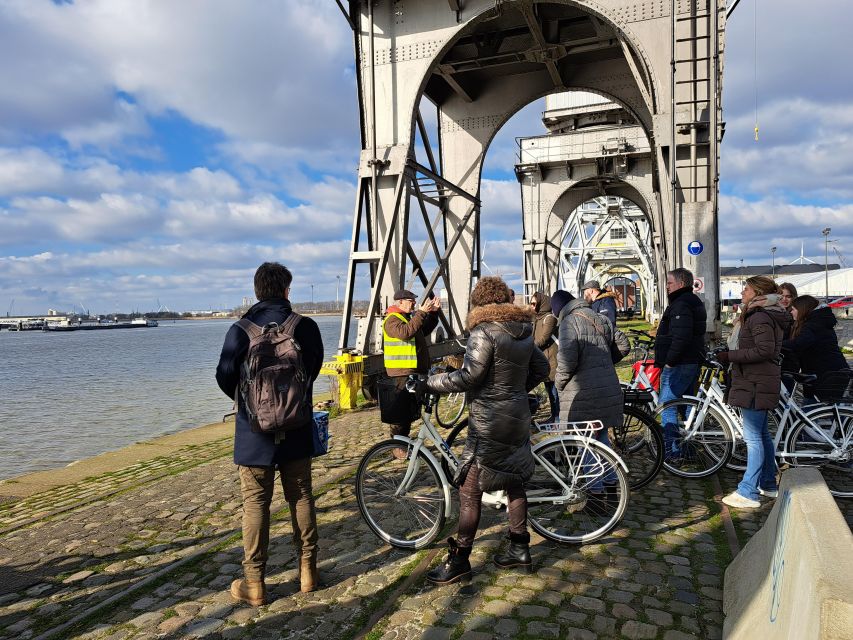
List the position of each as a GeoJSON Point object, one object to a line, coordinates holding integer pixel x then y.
{"type": "Point", "coordinates": [505, 313]}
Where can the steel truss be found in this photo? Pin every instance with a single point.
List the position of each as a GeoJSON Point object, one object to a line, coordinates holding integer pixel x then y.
{"type": "Point", "coordinates": [430, 194]}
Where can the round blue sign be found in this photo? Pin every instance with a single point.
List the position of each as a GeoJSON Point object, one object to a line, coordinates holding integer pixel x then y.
{"type": "Point", "coordinates": [695, 248]}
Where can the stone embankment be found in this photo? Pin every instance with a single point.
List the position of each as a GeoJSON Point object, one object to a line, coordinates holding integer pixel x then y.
{"type": "Point", "coordinates": [148, 550]}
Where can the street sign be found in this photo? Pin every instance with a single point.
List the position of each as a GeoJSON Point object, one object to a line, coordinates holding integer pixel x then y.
{"type": "Point", "coordinates": [695, 248]}
{"type": "Point", "coordinates": [698, 285]}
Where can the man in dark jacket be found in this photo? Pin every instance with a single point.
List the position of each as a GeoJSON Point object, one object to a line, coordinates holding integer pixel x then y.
{"type": "Point", "coordinates": [600, 301]}
{"type": "Point", "coordinates": [679, 347]}
{"type": "Point", "coordinates": [259, 454]}
{"type": "Point", "coordinates": [404, 344]}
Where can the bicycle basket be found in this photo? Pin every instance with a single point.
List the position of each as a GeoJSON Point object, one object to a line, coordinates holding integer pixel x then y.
{"type": "Point", "coordinates": [651, 371]}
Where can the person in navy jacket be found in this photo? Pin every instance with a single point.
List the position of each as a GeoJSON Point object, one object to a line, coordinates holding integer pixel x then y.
{"type": "Point", "coordinates": [258, 455]}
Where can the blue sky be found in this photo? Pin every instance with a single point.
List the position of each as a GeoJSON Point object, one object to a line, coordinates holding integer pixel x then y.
{"type": "Point", "coordinates": [147, 153]}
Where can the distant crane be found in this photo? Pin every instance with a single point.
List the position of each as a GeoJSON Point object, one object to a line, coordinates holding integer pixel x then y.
{"type": "Point", "coordinates": [11, 306]}
{"type": "Point", "coordinates": [841, 260]}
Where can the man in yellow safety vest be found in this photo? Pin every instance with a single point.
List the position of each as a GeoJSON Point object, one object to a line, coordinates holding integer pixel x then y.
{"type": "Point", "coordinates": [404, 341]}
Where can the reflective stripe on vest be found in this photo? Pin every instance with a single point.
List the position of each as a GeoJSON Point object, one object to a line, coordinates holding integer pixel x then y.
{"type": "Point", "coordinates": [398, 354]}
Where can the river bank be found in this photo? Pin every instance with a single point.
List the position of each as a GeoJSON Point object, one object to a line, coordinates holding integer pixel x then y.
{"type": "Point", "coordinates": [28, 484]}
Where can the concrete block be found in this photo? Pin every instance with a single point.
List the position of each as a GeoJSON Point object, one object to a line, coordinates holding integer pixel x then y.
{"type": "Point", "coordinates": [794, 578]}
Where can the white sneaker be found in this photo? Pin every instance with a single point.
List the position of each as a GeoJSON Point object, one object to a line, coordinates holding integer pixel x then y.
{"type": "Point", "coordinates": [738, 501]}
{"type": "Point", "coordinates": [768, 493]}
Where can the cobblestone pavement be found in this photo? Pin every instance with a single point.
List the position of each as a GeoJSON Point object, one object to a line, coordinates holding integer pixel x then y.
{"type": "Point", "coordinates": [156, 546]}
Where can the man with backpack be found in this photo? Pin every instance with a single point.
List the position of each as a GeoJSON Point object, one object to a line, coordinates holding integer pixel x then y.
{"type": "Point", "coordinates": [269, 362]}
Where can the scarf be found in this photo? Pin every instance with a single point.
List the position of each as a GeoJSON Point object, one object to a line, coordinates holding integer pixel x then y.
{"type": "Point", "coordinates": [770, 300]}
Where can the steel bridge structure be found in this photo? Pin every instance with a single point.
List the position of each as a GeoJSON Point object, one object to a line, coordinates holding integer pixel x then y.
{"type": "Point", "coordinates": [467, 66]}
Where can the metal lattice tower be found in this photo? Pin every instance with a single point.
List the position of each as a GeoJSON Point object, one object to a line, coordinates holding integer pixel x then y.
{"type": "Point", "coordinates": [477, 62]}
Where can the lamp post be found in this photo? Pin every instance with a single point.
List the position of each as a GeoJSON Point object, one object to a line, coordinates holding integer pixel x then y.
{"type": "Point", "coordinates": [312, 296]}
{"type": "Point", "coordinates": [825, 233]}
{"type": "Point", "coordinates": [741, 272]}
{"type": "Point", "coordinates": [773, 261]}
{"type": "Point", "coordinates": [338, 293]}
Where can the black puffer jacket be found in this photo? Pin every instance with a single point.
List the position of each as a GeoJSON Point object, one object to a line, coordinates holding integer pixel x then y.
{"type": "Point", "coordinates": [501, 365]}
{"type": "Point", "coordinates": [586, 378]}
{"type": "Point", "coordinates": [816, 346]}
{"type": "Point", "coordinates": [681, 334]}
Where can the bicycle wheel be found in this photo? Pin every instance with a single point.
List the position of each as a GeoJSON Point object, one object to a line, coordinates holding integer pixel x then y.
{"type": "Point", "coordinates": [409, 517]}
{"type": "Point", "coordinates": [578, 491]}
{"type": "Point", "coordinates": [810, 449]}
{"type": "Point", "coordinates": [449, 409]}
{"type": "Point", "coordinates": [694, 447]}
{"type": "Point", "coordinates": [639, 443]}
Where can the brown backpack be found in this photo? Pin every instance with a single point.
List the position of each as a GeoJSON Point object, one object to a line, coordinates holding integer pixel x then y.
{"type": "Point", "coordinates": [274, 384]}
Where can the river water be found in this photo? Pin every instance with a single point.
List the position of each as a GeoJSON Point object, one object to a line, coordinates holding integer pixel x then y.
{"type": "Point", "coordinates": [67, 396]}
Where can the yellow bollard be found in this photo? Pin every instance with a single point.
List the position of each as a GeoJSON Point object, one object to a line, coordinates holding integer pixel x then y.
{"type": "Point", "coordinates": [350, 370]}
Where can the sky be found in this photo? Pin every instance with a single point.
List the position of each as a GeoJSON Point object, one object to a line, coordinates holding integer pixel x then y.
{"type": "Point", "coordinates": [153, 153]}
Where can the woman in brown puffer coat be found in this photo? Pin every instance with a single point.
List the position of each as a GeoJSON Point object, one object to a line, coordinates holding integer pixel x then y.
{"type": "Point", "coordinates": [756, 373]}
{"type": "Point", "coordinates": [544, 328]}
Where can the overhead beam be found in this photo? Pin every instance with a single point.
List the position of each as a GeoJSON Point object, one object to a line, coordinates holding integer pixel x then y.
{"type": "Point", "coordinates": [542, 44]}
{"type": "Point", "coordinates": [447, 75]}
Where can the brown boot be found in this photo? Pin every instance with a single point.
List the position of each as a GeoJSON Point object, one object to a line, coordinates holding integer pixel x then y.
{"type": "Point", "coordinates": [252, 592]}
{"type": "Point", "coordinates": [309, 578]}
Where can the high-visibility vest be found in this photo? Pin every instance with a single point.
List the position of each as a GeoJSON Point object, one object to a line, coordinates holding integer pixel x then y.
{"type": "Point", "coordinates": [399, 354]}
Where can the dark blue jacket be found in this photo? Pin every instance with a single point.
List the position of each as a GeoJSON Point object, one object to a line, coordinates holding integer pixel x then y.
{"type": "Point", "coordinates": [259, 449]}
{"type": "Point", "coordinates": [681, 334]}
{"type": "Point", "coordinates": [605, 304]}
{"type": "Point", "coordinates": [816, 346]}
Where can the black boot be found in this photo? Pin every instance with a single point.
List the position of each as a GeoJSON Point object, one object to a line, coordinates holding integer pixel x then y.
{"type": "Point", "coordinates": [518, 554]}
{"type": "Point", "coordinates": [455, 568]}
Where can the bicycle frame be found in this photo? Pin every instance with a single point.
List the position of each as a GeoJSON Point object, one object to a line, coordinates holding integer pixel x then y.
{"type": "Point", "coordinates": [582, 432]}
{"type": "Point", "coordinates": [787, 414]}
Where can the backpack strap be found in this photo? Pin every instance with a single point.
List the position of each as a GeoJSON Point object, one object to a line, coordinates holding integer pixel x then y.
{"type": "Point", "coordinates": [252, 330]}
{"type": "Point", "coordinates": [290, 323]}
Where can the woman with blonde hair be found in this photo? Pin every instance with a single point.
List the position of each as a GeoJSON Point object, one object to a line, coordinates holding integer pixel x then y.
{"type": "Point", "coordinates": [754, 349]}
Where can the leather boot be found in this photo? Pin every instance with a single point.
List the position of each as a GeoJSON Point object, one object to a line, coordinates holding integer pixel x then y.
{"type": "Point", "coordinates": [252, 592]}
{"type": "Point", "coordinates": [455, 568]}
{"type": "Point", "coordinates": [518, 554]}
{"type": "Point", "coordinates": [309, 578]}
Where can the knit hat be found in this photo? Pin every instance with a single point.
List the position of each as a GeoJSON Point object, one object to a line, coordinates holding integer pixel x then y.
{"type": "Point", "coordinates": [560, 299]}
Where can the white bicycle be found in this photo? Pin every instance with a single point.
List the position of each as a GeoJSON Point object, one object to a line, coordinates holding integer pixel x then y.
{"type": "Point", "coordinates": [578, 492]}
{"type": "Point", "coordinates": [708, 433]}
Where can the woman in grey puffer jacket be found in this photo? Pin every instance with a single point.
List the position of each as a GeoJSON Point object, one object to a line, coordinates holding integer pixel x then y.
{"type": "Point", "coordinates": [586, 378]}
{"type": "Point", "coordinates": [501, 365]}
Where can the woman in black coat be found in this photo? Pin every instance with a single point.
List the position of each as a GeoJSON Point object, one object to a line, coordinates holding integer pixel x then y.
{"type": "Point", "coordinates": [501, 365]}
{"type": "Point", "coordinates": [814, 341]}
